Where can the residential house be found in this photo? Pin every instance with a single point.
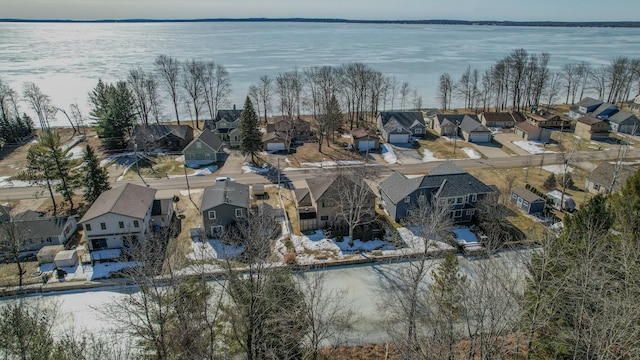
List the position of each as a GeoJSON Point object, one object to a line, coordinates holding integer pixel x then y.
{"type": "Point", "coordinates": [473, 131]}
{"type": "Point", "coordinates": [501, 119]}
{"type": "Point", "coordinates": [527, 131]}
{"type": "Point", "coordinates": [586, 106]}
{"type": "Point", "coordinates": [544, 119]}
{"type": "Point", "coordinates": [364, 139]}
{"type": "Point", "coordinates": [398, 127]}
{"type": "Point", "coordinates": [527, 201]}
{"type": "Point", "coordinates": [624, 122]}
{"type": "Point", "coordinates": [635, 104]}
{"type": "Point", "coordinates": [318, 204]}
{"type": "Point", "coordinates": [119, 217]}
{"type": "Point", "coordinates": [223, 204]}
{"type": "Point", "coordinates": [166, 137]}
{"type": "Point", "coordinates": [207, 148]}
{"type": "Point", "coordinates": [446, 185]}
{"type": "Point", "coordinates": [299, 130]}
{"type": "Point", "coordinates": [227, 125]}
{"type": "Point", "coordinates": [608, 178]}
{"type": "Point", "coordinates": [449, 124]}
{"type": "Point", "coordinates": [37, 230]}
{"type": "Point", "coordinates": [275, 141]}
{"type": "Point", "coordinates": [162, 212]}
{"type": "Point", "coordinates": [591, 128]}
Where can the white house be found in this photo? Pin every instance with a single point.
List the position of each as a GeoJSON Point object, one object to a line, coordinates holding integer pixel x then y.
{"type": "Point", "coordinates": [117, 216]}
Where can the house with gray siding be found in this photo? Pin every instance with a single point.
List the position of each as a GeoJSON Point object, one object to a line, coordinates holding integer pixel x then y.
{"type": "Point", "coordinates": [624, 122]}
{"type": "Point", "coordinates": [36, 230]}
{"type": "Point", "coordinates": [223, 204]}
{"type": "Point", "coordinates": [206, 149]}
{"type": "Point", "coordinates": [167, 137]}
{"type": "Point", "coordinates": [119, 217]}
{"type": "Point", "coordinates": [527, 201]}
{"type": "Point", "coordinates": [446, 185]}
{"type": "Point", "coordinates": [399, 126]}
{"type": "Point", "coordinates": [608, 178]}
{"type": "Point", "coordinates": [472, 130]}
{"type": "Point", "coordinates": [226, 124]}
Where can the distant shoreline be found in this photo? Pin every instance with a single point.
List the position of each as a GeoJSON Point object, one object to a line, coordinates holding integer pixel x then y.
{"type": "Point", "coordinates": [609, 24]}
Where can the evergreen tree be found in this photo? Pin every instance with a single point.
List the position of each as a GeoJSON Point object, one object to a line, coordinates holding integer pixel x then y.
{"type": "Point", "coordinates": [41, 170]}
{"type": "Point", "coordinates": [114, 110]}
{"type": "Point", "coordinates": [68, 181]}
{"type": "Point", "coordinates": [250, 136]}
{"type": "Point", "coordinates": [96, 179]}
{"type": "Point", "coordinates": [550, 183]}
{"type": "Point", "coordinates": [627, 206]}
{"type": "Point", "coordinates": [330, 120]}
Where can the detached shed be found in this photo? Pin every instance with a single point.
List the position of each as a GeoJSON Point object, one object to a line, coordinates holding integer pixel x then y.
{"type": "Point", "coordinates": [527, 201]}
{"type": "Point", "coordinates": [47, 254]}
{"type": "Point", "coordinates": [66, 258]}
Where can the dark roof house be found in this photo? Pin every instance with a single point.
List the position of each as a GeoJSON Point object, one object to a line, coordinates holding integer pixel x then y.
{"type": "Point", "coordinates": [608, 177]}
{"type": "Point", "coordinates": [399, 126]}
{"type": "Point", "coordinates": [169, 137]}
{"type": "Point", "coordinates": [207, 148]}
{"type": "Point", "coordinates": [223, 204]}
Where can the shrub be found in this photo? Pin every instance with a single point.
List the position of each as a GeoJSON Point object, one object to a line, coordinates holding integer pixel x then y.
{"type": "Point", "coordinates": [550, 183]}
{"type": "Point", "coordinates": [291, 258]}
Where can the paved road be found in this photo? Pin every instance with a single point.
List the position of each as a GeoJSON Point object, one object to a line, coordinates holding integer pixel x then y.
{"type": "Point", "coordinates": [301, 174]}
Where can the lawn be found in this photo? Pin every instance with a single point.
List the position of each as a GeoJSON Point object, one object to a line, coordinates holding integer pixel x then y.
{"type": "Point", "coordinates": [442, 148]}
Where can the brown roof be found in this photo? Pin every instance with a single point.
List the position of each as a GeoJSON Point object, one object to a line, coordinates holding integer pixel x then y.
{"type": "Point", "coordinates": [128, 200]}
{"type": "Point", "coordinates": [503, 116]}
{"type": "Point", "coordinates": [526, 127]}
{"type": "Point", "coordinates": [362, 132]}
{"type": "Point", "coordinates": [590, 120]}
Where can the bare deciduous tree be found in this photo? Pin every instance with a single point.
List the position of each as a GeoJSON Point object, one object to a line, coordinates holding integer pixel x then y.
{"type": "Point", "coordinates": [193, 75]}
{"type": "Point", "coordinates": [40, 103]}
{"type": "Point", "coordinates": [169, 70]}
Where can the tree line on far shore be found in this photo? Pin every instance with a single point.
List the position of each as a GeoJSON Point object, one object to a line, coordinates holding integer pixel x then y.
{"type": "Point", "coordinates": [523, 80]}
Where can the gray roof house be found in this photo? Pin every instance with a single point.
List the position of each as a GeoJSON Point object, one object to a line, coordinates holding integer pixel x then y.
{"type": "Point", "coordinates": [527, 201]}
{"type": "Point", "coordinates": [38, 230]}
{"type": "Point", "coordinates": [119, 217]}
{"type": "Point", "coordinates": [224, 203]}
{"type": "Point", "coordinates": [446, 185]}
{"type": "Point", "coordinates": [399, 126]}
{"type": "Point", "coordinates": [501, 119]}
{"type": "Point", "coordinates": [226, 124]}
{"type": "Point", "coordinates": [473, 131]}
{"type": "Point", "coordinates": [624, 122]}
{"type": "Point", "coordinates": [601, 179]}
{"type": "Point", "coordinates": [207, 148]}
{"type": "Point", "coordinates": [168, 137]}
{"type": "Point", "coordinates": [586, 106]}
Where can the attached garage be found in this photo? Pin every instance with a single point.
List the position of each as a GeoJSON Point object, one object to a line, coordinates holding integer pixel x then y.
{"type": "Point", "coordinates": [275, 146]}
{"type": "Point", "coordinates": [479, 137]}
{"type": "Point", "coordinates": [364, 145]}
{"type": "Point", "coordinates": [399, 138]}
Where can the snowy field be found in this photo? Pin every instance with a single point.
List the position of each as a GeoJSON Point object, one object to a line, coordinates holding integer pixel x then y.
{"type": "Point", "coordinates": [558, 169]}
{"type": "Point", "coordinates": [471, 153]}
{"type": "Point", "coordinates": [427, 156]}
{"type": "Point", "coordinates": [532, 147]}
{"type": "Point", "coordinates": [388, 154]}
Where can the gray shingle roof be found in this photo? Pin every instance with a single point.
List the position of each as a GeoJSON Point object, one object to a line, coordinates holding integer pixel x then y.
{"type": "Point", "coordinates": [443, 119]}
{"type": "Point", "coordinates": [622, 116]}
{"type": "Point", "coordinates": [471, 123]}
{"type": "Point", "coordinates": [460, 185]}
{"type": "Point", "coordinates": [590, 120]}
{"type": "Point", "coordinates": [603, 175]}
{"type": "Point", "coordinates": [404, 118]}
{"type": "Point", "coordinates": [398, 186]}
{"type": "Point", "coordinates": [36, 225]}
{"type": "Point", "coordinates": [526, 127]}
{"type": "Point", "coordinates": [447, 168]}
{"type": "Point", "coordinates": [208, 137]}
{"type": "Point", "coordinates": [128, 200]}
{"type": "Point", "coordinates": [229, 192]}
{"type": "Point", "coordinates": [587, 102]}
{"type": "Point", "coordinates": [527, 195]}
{"type": "Point", "coordinates": [160, 131]}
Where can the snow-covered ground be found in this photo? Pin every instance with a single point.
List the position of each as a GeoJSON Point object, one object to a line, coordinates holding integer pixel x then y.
{"type": "Point", "coordinates": [532, 147]}
{"type": "Point", "coordinates": [86, 271]}
{"type": "Point", "coordinates": [213, 249]}
{"type": "Point", "coordinates": [6, 183]}
{"type": "Point", "coordinates": [471, 153]}
{"type": "Point", "coordinates": [193, 191]}
{"type": "Point", "coordinates": [333, 163]}
{"type": "Point", "coordinates": [557, 169]}
{"type": "Point", "coordinates": [77, 152]}
{"type": "Point", "coordinates": [249, 168]}
{"type": "Point", "coordinates": [388, 154]}
{"type": "Point", "coordinates": [205, 171]}
{"type": "Point", "coordinates": [427, 156]}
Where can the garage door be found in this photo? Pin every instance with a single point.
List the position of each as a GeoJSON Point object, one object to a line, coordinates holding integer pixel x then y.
{"type": "Point", "coordinates": [481, 137]}
{"type": "Point", "coordinates": [398, 138]}
{"type": "Point", "coordinates": [308, 224]}
{"type": "Point", "coordinates": [365, 145]}
{"type": "Point", "coordinates": [275, 146]}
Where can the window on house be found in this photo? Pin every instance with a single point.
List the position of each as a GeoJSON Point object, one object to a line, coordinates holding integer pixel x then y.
{"type": "Point", "coordinates": [474, 197]}
{"type": "Point", "coordinates": [466, 198]}
{"type": "Point", "coordinates": [121, 224]}
{"type": "Point", "coordinates": [451, 201]}
{"type": "Point", "coordinates": [217, 230]}
{"type": "Point", "coordinates": [596, 187]}
{"type": "Point", "coordinates": [103, 226]}
{"type": "Point", "coordinates": [239, 213]}
{"type": "Point", "coordinates": [198, 145]}
{"type": "Point", "coordinates": [418, 131]}
{"type": "Point", "coordinates": [207, 156]}
{"type": "Point", "coordinates": [136, 223]}
{"type": "Point", "coordinates": [212, 215]}
{"type": "Point", "coordinates": [324, 218]}
{"type": "Point", "coordinates": [468, 212]}
{"type": "Point", "coordinates": [526, 203]}
{"type": "Point", "coordinates": [87, 227]}
{"type": "Point", "coordinates": [327, 203]}
{"type": "Point", "coordinates": [459, 200]}
{"type": "Point", "coordinates": [514, 196]}
{"type": "Point", "coordinates": [407, 199]}
{"type": "Point", "coordinates": [458, 213]}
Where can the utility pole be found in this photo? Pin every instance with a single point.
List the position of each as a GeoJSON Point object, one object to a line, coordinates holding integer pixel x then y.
{"type": "Point", "coordinates": [186, 178]}
{"type": "Point", "coordinates": [455, 137]}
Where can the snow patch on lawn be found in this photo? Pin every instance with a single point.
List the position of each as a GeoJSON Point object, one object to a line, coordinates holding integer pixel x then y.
{"type": "Point", "coordinates": [388, 154]}
{"type": "Point", "coordinates": [471, 153]}
{"type": "Point", "coordinates": [250, 168]}
{"type": "Point", "coordinates": [205, 171]}
{"type": "Point", "coordinates": [532, 147]}
{"type": "Point", "coordinates": [193, 191]}
{"type": "Point", "coordinates": [557, 169]}
{"type": "Point", "coordinates": [427, 156]}
{"type": "Point", "coordinates": [333, 163]}
{"type": "Point", "coordinates": [77, 152]}
{"type": "Point", "coordinates": [5, 182]}
{"type": "Point", "coordinates": [213, 249]}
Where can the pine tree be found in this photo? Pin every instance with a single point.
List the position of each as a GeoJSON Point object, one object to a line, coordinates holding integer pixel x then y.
{"type": "Point", "coordinates": [41, 171]}
{"type": "Point", "coordinates": [96, 179]}
{"type": "Point", "coordinates": [250, 137]}
{"type": "Point", "coordinates": [550, 183]}
{"type": "Point", "coordinates": [114, 110]}
{"type": "Point", "coordinates": [68, 181]}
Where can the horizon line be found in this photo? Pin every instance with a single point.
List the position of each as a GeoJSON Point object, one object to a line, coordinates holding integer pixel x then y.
{"type": "Point", "coordinates": [627, 23]}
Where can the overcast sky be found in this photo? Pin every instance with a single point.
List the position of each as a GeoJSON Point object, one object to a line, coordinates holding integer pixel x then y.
{"type": "Point", "coordinates": [516, 10]}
